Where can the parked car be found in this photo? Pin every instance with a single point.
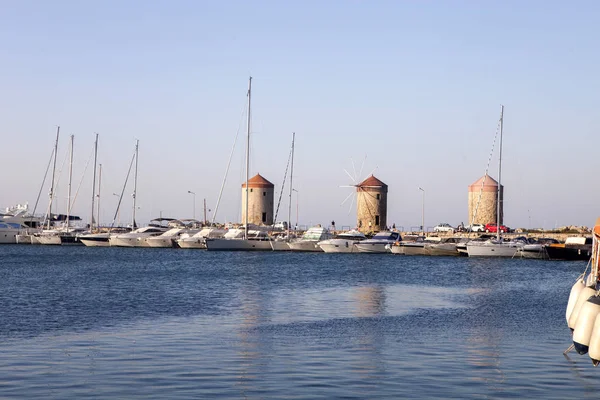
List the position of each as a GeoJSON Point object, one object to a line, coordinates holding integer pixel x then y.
{"type": "Point", "coordinates": [494, 228]}
{"type": "Point", "coordinates": [476, 228]}
{"type": "Point", "coordinates": [443, 227]}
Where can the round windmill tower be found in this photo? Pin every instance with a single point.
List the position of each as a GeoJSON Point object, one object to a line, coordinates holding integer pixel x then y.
{"type": "Point", "coordinates": [371, 205]}
{"type": "Point", "coordinates": [483, 201]}
{"type": "Point", "coordinates": [260, 201]}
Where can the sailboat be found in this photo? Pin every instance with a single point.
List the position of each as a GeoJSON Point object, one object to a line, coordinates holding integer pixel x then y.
{"type": "Point", "coordinates": [101, 239]}
{"type": "Point", "coordinates": [249, 239]}
{"type": "Point", "coordinates": [66, 234]}
{"type": "Point", "coordinates": [497, 247]}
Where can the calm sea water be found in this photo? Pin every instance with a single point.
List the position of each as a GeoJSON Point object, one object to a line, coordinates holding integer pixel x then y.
{"type": "Point", "coordinates": [80, 322]}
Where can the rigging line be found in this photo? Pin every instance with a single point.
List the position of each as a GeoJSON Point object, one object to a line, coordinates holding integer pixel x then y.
{"type": "Point", "coordinates": [228, 165]}
{"type": "Point", "coordinates": [112, 224]}
{"type": "Point", "coordinates": [487, 168]}
{"type": "Point", "coordinates": [81, 181]}
{"type": "Point", "coordinates": [42, 186]}
{"type": "Point", "coordinates": [282, 186]}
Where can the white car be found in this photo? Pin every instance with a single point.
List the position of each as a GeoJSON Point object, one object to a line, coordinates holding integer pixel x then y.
{"type": "Point", "coordinates": [478, 228]}
{"type": "Point", "coordinates": [443, 228]}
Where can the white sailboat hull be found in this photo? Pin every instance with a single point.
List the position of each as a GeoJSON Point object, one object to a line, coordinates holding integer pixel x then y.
{"type": "Point", "coordinates": [396, 249]}
{"type": "Point", "coordinates": [116, 241]}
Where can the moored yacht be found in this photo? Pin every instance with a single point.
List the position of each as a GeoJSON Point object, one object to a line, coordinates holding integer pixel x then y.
{"type": "Point", "coordinates": [377, 244]}
{"type": "Point", "coordinates": [198, 240]}
{"type": "Point", "coordinates": [445, 247]}
{"type": "Point", "coordinates": [536, 248]}
{"type": "Point", "coordinates": [236, 240]}
{"type": "Point", "coordinates": [136, 238]}
{"type": "Point", "coordinates": [170, 237]}
{"type": "Point", "coordinates": [419, 247]}
{"type": "Point", "coordinates": [310, 238]}
{"type": "Point", "coordinates": [495, 247]}
{"type": "Point", "coordinates": [343, 243]}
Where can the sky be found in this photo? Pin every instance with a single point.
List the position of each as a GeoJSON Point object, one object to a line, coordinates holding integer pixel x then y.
{"type": "Point", "coordinates": [408, 90]}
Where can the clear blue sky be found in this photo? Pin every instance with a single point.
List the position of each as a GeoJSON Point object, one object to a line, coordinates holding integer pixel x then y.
{"type": "Point", "coordinates": [416, 86]}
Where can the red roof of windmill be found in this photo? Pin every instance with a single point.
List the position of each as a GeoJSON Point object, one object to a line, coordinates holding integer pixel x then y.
{"type": "Point", "coordinates": [488, 183]}
{"type": "Point", "coordinates": [258, 181]}
{"type": "Point", "coordinates": [370, 182]}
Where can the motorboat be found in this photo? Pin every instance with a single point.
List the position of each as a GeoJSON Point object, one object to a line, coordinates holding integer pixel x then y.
{"type": "Point", "coordinates": [198, 240]}
{"type": "Point", "coordinates": [495, 247]}
{"type": "Point", "coordinates": [9, 232]}
{"type": "Point", "coordinates": [343, 242]}
{"type": "Point", "coordinates": [99, 239]}
{"type": "Point", "coordinates": [574, 248]}
{"type": "Point", "coordinates": [236, 240]}
{"type": "Point", "coordinates": [398, 247]}
{"type": "Point", "coordinates": [536, 248]}
{"type": "Point", "coordinates": [135, 238]}
{"type": "Point", "coordinates": [445, 247]}
{"type": "Point", "coordinates": [310, 238]}
{"type": "Point", "coordinates": [419, 247]}
{"type": "Point", "coordinates": [18, 225]}
{"type": "Point", "coordinates": [170, 237]}
{"type": "Point", "coordinates": [378, 242]}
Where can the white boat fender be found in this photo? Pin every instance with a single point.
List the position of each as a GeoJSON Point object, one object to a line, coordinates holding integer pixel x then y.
{"type": "Point", "coordinates": [594, 347]}
{"type": "Point", "coordinates": [585, 324]}
{"type": "Point", "coordinates": [585, 294]}
{"type": "Point", "coordinates": [575, 290]}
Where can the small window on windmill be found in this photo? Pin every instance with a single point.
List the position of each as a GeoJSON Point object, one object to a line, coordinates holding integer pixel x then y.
{"type": "Point", "coordinates": [264, 217]}
{"type": "Point", "coordinates": [251, 190]}
{"type": "Point", "coordinates": [264, 194]}
{"type": "Point", "coordinates": [378, 196]}
{"type": "Point", "coordinates": [377, 219]}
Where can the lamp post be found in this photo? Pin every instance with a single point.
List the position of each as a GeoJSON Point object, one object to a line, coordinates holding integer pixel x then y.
{"type": "Point", "coordinates": [296, 207]}
{"type": "Point", "coordinates": [118, 210]}
{"type": "Point", "coordinates": [194, 207]}
{"type": "Point", "coordinates": [423, 211]}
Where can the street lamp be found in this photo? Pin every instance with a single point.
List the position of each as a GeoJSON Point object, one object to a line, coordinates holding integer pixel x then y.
{"type": "Point", "coordinates": [296, 207]}
{"type": "Point", "coordinates": [423, 212]}
{"type": "Point", "coordinates": [118, 210]}
{"type": "Point", "coordinates": [194, 208]}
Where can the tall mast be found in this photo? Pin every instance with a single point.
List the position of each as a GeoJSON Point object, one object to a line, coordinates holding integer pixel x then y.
{"type": "Point", "coordinates": [247, 157]}
{"type": "Point", "coordinates": [99, 184]}
{"type": "Point", "coordinates": [137, 142]}
{"type": "Point", "coordinates": [499, 207]}
{"type": "Point", "coordinates": [51, 194]}
{"type": "Point", "coordinates": [94, 182]}
{"type": "Point", "coordinates": [291, 188]}
{"type": "Point", "coordinates": [70, 179]}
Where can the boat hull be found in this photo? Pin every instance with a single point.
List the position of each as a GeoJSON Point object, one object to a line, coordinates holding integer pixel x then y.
{"type": "Point", "coordinates": [443, 250]}
{"type": "Point", "coordinates": [304, 245]}
{"type": "Point", "coordinates": [414, 250]}
{"type": "Point", "coordinates": [339, 246]}
{"type": "Point", "coordinates": [238, 245]}
{"type": "Point", "coordinates": [397, 249]}
{"type": "Point", "coordinates": [371, 247]}
{"type": "Point", "coordinates": [163, 242]}
{"type": "Point", "coordinates": [582, 253]}
{"type": "Point", "coordinates": [192, 243]}
{"type": "Point", "coordinates": [95, 240]}
{"type": "Point", "coordinates": [280, 245]}
{"type": "Point", "coordinates": [491, 250]}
